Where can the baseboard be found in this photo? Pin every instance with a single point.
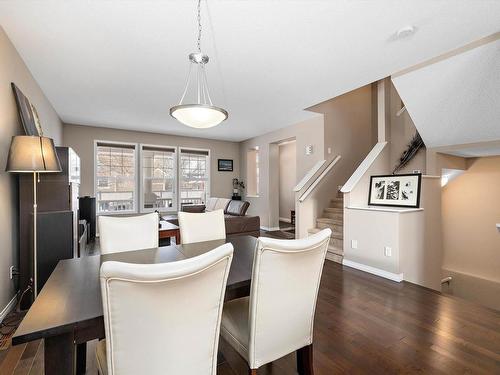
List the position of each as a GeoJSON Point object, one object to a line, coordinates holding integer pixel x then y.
{"type": "Point", "coordinates": [285, 219]}
{"type": "Point", "coordinates": [375, 271]}
{"type": "Point", "coordinates": [270, 229]}
{"type": "Point", "coordinates": [7, 309]}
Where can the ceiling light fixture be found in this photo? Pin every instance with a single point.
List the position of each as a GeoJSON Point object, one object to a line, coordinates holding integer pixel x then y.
{"type": "Point", "coordinates": [202, 114]}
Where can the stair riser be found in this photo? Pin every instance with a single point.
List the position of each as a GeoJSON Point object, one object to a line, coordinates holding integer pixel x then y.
{"type": "Point", "coordinates": [334, 257]}
{"type": "Point", "coordinates": [336, 204]}
{"type": "Point", "coordinates": [333, 215]}
{"type": "Point", "coordinates": [337, 210]}
{"type": "Point", "coordinates": [335, 250]}
{"type": "Point", "coordinates": [336, 229]}
{"type": "Point", "coordinates": [335, 242]}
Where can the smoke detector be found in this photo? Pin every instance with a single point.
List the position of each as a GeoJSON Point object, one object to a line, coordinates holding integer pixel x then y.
{"type": "Point", "coordinates": [406, 31]}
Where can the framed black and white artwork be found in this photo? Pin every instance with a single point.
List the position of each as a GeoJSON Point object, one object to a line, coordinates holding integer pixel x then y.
{"type": "Point", "coordinates": [27, 113]}
{"type": "Point", "coordinates": [225, 165]}
{"type": "Point", "coordinates": [402, 190]}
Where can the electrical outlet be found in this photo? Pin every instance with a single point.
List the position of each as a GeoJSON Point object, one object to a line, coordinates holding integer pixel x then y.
{"type": "Point", "coordinates": [354, 244]}
{"type": "Point", "coordinates": [11, 272]}
{"type": "Point", "coordinates": [388, 251]}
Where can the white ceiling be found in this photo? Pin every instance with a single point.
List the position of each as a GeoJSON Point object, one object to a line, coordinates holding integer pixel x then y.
{"type": "Point", "coordinates": [475, 152]}
{"type": "Point", "coordinates": [456, 100]}
{"type": "Point", "coordinates": [122, 64]}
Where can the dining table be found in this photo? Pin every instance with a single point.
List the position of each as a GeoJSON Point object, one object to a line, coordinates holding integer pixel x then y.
{"type": "Point", "coordinates": [68, 311]}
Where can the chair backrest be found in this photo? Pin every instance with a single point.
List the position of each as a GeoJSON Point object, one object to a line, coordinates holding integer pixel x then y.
{"type": "Point", "coordinates": [118, 234]}
{"type": "Point", "coordinates": [165, 318]}
{"type": "Point", "coordinates": [198, 227]}
{"type": "Point", "coordinates": [285, 282]}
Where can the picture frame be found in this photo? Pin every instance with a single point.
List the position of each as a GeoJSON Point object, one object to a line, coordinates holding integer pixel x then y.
{"type": "Point", "coordinates": [225, 165]}
{"type": "Point", "coordinates": [401, 190]}
{"type": "Point", "coordinates": [27, 113]}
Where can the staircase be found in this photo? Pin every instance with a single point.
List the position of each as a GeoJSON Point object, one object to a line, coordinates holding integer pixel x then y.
{"type": "Point", "coordinates": [333, 218]}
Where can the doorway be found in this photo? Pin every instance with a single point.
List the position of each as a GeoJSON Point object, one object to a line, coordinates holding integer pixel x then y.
{"type": "Point", "coordinates": [287, 151]}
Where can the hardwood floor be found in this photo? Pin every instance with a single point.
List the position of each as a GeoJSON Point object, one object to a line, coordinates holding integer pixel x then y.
{"type": "Point", "coordinates": [364, 325]}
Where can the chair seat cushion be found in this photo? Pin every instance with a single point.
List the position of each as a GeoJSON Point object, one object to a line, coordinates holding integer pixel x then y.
{"type": "Point", "coordinates": [100, 353]}
{"type": "Point", "coordinates": [234, 326]}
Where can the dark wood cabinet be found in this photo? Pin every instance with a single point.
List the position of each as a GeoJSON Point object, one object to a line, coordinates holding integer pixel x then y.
{"type": "Point", "coordinates": [55, 242]}
{"type": "Point", "coordinates": [57, 202]}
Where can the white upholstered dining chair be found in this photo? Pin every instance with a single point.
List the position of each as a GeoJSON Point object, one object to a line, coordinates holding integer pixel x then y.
{"type": "Point", "coordinates": [198, 227]}
{"type": "Point", "coordinates": [163, 318]}
{"type": "Point", "coordinates": [277, 318]}
{"type": "Point", "coordinates": [118, 234]}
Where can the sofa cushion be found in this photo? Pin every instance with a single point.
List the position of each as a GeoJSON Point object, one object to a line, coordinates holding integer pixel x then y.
{"type": "Point", "coordinates": [214, 204]}
{"type": "Point", "coordinates": [222, 204]}
{"type": "Point", "coordinates": [237, 208]}
{"type": "Point", "coordinates": [210, 204]}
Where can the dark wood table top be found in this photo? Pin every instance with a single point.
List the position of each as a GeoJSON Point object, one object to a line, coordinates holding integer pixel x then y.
{"type": "Point", "coordinates": [72, 295]}
{"type": "Point", "coordinates": [165, 225]}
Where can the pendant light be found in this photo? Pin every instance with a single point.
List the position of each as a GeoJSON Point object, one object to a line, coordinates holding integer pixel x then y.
{"type": "Point", "coordinates": [202, 114]}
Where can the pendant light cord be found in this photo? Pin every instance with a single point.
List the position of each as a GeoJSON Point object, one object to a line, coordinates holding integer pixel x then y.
{"type": "Point", "coordinates": [199, 26]}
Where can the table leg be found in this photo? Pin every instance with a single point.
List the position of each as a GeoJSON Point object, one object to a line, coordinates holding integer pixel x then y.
{"type": "Point", "coordinates": [59, 354]}
{"type": "Point", "coordinates": [177, 237]}
{"type": "Point", "coordinates": [81, 358]}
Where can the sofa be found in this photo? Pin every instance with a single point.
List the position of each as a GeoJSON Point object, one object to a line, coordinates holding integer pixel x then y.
{"type": "Point", "coordinates": [235, 217]}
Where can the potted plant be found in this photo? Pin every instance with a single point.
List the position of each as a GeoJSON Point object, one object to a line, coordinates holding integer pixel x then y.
{"type": "Point", "coordinates": [238, 187]}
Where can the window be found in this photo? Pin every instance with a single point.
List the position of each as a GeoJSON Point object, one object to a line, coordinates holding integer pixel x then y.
{"type": "Point", "coordinates": [115, 181]}
{"type": "Point", "coordinates": [158, 166]}
{"type": "Point", "coordinates": [253, 172]}
{"type": "Point", "coordinates": [194, 176]}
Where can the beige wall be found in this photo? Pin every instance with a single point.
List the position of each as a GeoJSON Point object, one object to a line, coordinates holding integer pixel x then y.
{"type": "Point", "coordinates": [288, 178]}
{"type": "Point", "coordinates": [309, 132]}
{"type": "Point", "coordinates": [13, 69]}
{"type": "Point", "coordinates": [350, 121]}
{"type": "Point", "coordinates": [81, 139]}
{"type": "Point", "coordinates": [402, 130]}
{"type": "Point", "coordinates": [350, 131]}
{"type": "Point", "coordinates": [471, 209]}
{"type": "Point", "coordinates": [414, 236]}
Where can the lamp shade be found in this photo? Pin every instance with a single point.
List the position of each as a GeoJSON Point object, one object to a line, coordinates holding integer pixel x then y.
{"type": "Point", "coordinates": [28, 154]}
{"type": "Point", "coordinates": [199, 116]}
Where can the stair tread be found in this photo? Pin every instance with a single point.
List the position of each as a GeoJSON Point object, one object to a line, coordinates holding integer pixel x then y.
{"type": "Point", "coordinates": [330, 220]}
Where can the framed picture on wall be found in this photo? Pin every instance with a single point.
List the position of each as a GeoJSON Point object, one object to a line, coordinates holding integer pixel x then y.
{"type": "Point", "coordinates": [225, 165]}
{"type": "Point", "coordinates": [401, 190]}
{"type": "Point", "coordinates": [27, 113]}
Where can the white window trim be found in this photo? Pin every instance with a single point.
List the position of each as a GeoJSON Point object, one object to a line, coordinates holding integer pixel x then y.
{"type": "Point", "coordinates": [176, 178]}
{"type": "Point", "coordinates": [136, 177]}
{"type": "Point", "coordinates": [209, 167]}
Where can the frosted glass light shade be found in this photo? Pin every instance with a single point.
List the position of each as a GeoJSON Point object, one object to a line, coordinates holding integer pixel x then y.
{"type": "Point", "coordinates": [29, 154]}
{"type": "Point", "coordinates": [200, 116]}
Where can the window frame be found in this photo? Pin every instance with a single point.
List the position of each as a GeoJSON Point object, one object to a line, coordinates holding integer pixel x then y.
{"type": "Point", "coordinates": [175, 203]}
{"type": "Point", "coordinates": [209, 175]}
{"type": "Point", "coordinates": [136, 177]}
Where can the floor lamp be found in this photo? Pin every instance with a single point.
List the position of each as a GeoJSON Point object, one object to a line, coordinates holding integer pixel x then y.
{"type": "Point", "coordinates": [33, 154]}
